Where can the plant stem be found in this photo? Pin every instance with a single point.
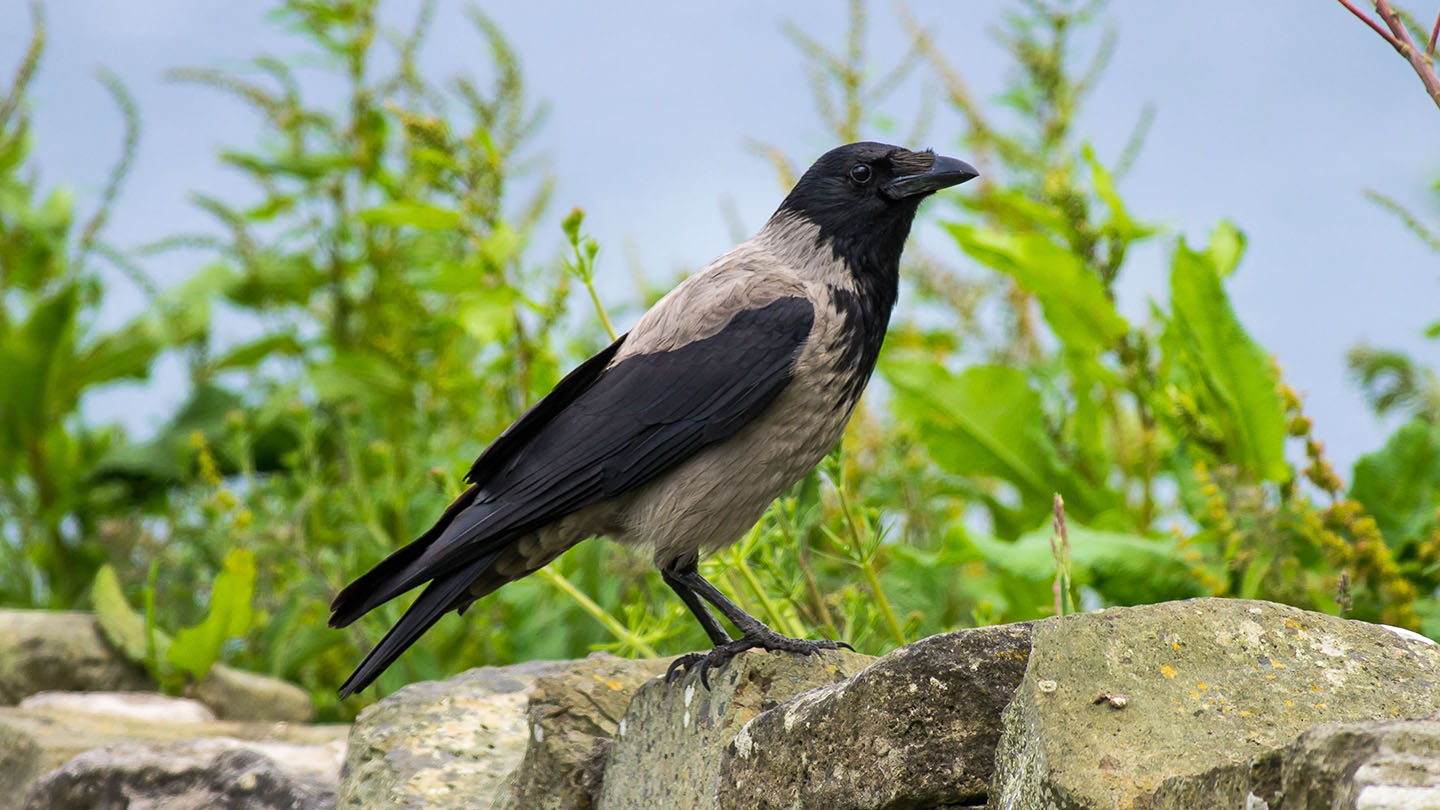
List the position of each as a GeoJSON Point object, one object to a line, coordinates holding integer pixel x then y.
{"type": "Point", "coordinates": [1417, 58]}
{"type": "Point", "coordinates": [600, 308]}
{"type": "Point", "coordinates": [867, 566]}
{"type": "Point", "coordinates": [1399, 38]}
{"type": "Point", "coordinates": [896, 631]}
{"type": "Point", "coordinates": [1060, 547]}
{"type": "Point", "coordinates": [588, 605]}
{"type": "Point", "coordinates": [770, 610]}
{"type": "Point", "coordinates": [811, 586]}
{"type": "Point", "coordinates": [1385, 35]}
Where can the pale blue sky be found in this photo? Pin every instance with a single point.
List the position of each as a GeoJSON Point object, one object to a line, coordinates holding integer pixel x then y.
{"type": "Point", "coordinates": [1276, 115]}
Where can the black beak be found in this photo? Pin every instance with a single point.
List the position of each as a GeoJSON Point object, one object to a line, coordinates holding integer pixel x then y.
{"type": "Point", "coordinates": [946, 172]}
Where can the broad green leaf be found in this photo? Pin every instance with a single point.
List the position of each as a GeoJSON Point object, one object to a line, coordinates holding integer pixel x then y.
{"type": "Point", "coordinates": [413, 214]}
{"type": "Point", "coordinates": [359, 376]}
{"type": "Point", "coordinates": [37, 360]}
{"type": "Point", "coordinates": [1433, 330]}
{"type": "Point", "coordinates": [123, 625]}
{"type": "Point", "coordinates": [1228, 364]}
{"type": "Point", "coordinates": [126, 352]}
{"type": "Point", "coordinates": [196, 649]}
{"type": "Point", "coordinates": [1126, 569]}
{"type": "Point", "coordinates": [1399, 484]}
{"type": "Point", "coordinates": [1072, 299]}
{"type": "Point", "coordinates": [984, 421]}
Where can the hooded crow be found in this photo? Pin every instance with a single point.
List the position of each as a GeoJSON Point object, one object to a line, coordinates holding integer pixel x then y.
{"type": "Point", "coordinates": [678, 435]}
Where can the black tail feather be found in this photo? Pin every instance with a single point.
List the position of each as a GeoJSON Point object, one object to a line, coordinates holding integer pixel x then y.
{"type": "Point", "coordinates": [445, 593]}
{"type": "Point", "coordinates": [388, 579]}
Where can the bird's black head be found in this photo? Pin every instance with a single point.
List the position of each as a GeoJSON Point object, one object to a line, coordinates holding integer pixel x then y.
{"type": "Point", "coordinates": [863, 196]}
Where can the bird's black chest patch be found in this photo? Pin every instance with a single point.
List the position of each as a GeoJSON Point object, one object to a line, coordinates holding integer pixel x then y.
{"type": "Point", "coordinates": [864, 319]}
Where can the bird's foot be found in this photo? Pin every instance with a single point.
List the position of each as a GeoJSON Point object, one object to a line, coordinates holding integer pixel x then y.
{"type": "Point", "coordinates": [722, 653]}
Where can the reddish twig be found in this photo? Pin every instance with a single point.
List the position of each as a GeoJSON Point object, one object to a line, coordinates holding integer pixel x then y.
{"type": "Point", "coordinates": [1399, 38]}
{"type": "Point", "coordinates": [1385, 35]}
{"type": "Point", "coordinates": [1424, 68]}
{"type": "Point", "coordinates": [1434, 32]}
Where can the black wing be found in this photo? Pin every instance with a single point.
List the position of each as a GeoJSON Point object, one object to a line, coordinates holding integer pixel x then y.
{"type": "Point", "coordinates": [587, 441]}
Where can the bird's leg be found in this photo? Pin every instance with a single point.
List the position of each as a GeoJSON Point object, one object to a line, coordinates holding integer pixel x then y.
{"type": "Point", "coordinates": [753, 633]}
{"type": "Point", "coordinates": [701, 610]}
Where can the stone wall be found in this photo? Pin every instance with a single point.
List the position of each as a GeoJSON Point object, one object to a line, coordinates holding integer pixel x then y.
{"type": "Point", "coordinates": [1202, 704]}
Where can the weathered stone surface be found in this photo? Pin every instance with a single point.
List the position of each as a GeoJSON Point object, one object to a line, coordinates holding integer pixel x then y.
{"type": "Point", "coordinates": [44, 650]}
{"type": "Point", "coordinates": [1193, 704]}
{"type": "Point", "coordinates": [238, 695]}
{"type": "Point", "coordinates": [441, 744]}
{"type": "Point", "coordinates": [668, 748]}
{"type": "Point", "coordinates": [573, 716]}
{"type": "Point", "coordinates": [141, 706]}
{"type": "Point", "coordinates": [917, 728]}
{"type": "Point", "coordinates": [1353, 766]}
{"type": "Point", "coordinates": [34, 741]}
{"type": "Point", "coordinates": [216, 773]}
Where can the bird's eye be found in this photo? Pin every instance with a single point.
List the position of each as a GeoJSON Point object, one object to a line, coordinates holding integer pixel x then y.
{"type": "Point", "coordinates": [860, 174]}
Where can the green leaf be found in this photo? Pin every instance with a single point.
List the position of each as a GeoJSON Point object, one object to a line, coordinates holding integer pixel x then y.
{"type": "Point", "coordinates": [1227, 244]}
{"type": "Point", "coordinates": [361, 377]}
{"type": "Point", "coordinates": [164, 459]}
{"type": "Point", "coordinates": [413, 214]}
{"type": "Point", "coordinates": [1399, 484]}
{"type": "Point", "coordinates": [1121, 224]}
{"type": "Point", "coordinates": [303, 166]}
{"type": "Point", "coordinates": [1126, 569]}
{"type": "Point", "coordinates": [1229, 371]}
{"type": "Point", "coordinates": [125, 353]}
{"type": "Point", "coordinates": [988, 421]}
{"type": "Point", "coordinates": [121, 624]}
{"type": "Point", "coordinates": [248, 354]}
{"type": "Point", "coordinates": [37, 360]}
{"type": "Point", "coordinates": [1433, 330]}
{"type": "Point", "coordinates": [1071, 297]}
{"type": "Point", "coordinates": [488, 314]}
{"type": "Point", "coordinates": [196, 649]}
{"type": "Point", "coordinates": [987, 418]}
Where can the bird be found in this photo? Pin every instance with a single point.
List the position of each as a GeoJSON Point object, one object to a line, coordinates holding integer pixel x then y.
{"type": "Point", "coordinates": [678, 435]}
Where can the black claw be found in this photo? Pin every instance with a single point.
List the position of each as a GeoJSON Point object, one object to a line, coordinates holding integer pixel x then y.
{"type": "Point", "coordinates": [722, 653]}
{"type": "Point", "coordinates": [682, 665]}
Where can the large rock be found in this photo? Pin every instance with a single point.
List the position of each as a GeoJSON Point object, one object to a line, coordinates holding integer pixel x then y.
{"type": "Point", "coordinates": [235, 694]}
{"type": "Point", "coordinates": [39, 739]}
{"type": "Point", "coordinates": [214, 773]}
{"type": "Point", "coordinates": [1351, 766]}
{"type": "Point", "coordinates": [42, 651]}
{"type": "Point", "coordinates": [667, 751]}
{"type": "Point", "coordinates": [441, 744]}
{"type": "Point", "coordinates": [573, 716]}
{"type": "Point", "coordinates": [917, 728]}
{"type": "Point", "coordinates": [141, 706]}
{"type": "Point", "coordinates": [1193, 704]}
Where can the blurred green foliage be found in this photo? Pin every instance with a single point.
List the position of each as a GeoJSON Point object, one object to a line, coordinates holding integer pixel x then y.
{"type": "Point", "coordinates": [400, 316]}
